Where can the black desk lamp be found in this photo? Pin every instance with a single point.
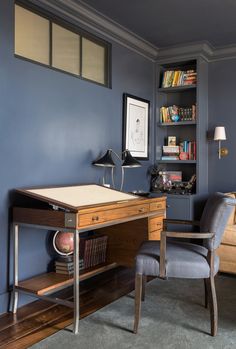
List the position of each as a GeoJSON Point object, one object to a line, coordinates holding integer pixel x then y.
{"type": "Point", "coordinates": [107, 161]}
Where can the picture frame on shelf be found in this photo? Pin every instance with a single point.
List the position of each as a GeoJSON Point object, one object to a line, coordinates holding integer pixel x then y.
{"type": "Point", "coordinates": [136, 120]}
{"type": "Point", "coordinates": [171, 140]}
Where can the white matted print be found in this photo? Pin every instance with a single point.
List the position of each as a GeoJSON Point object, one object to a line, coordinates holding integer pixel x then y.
{"type": "Point", "coordinates": [136, 126]}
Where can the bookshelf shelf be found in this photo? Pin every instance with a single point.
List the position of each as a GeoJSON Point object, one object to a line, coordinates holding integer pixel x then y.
{"type": "Point", "coordinates": [50, 282]}
{"type": "Point", "coordinates": [179, 123]}
{"type": "Point", "coordinates": [176, 89]}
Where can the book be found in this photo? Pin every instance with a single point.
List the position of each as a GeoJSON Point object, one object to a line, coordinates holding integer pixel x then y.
{"type": "Point", "coordinates": [170, 158]}
{"type": "Point", "coordinates": [170, 149]}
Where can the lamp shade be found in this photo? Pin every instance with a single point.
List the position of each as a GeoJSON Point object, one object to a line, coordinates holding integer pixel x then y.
{"type": "Point", "coordinates": [129, 160]}
{"type": "Point", "coordinates": [105, 161]}
{"type": "Point", "coordinates": [219, 134]}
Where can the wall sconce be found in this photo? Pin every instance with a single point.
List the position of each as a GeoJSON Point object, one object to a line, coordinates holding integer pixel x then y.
{"type": "Point", "coordinates": [107, 161]}
{"type": "Point", "coordinates": [219, 135]}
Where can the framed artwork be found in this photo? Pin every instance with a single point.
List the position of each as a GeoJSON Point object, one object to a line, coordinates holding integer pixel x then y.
{"type": "Point", "coordinates": [136, 114]}
{"type": "Point", "coordinates": [171, 141]}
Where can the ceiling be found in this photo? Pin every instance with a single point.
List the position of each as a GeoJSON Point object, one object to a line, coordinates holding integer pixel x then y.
{"type": "Point", "coordinates": [173, 22]}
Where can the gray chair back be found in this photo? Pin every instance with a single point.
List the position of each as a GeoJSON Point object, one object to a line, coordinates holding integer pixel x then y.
{"type": "Point", "coordinates": [215, 217]}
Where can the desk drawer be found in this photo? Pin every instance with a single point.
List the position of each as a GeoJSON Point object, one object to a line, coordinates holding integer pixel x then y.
{"type": "Point", "coordinates": [98, 217]}
{"type": "Point", "coordinates": [155, 206]}
{"type": "Point", "coordinates": [155, 223]}
{"type": "Point", "coordinates": [154, 235]}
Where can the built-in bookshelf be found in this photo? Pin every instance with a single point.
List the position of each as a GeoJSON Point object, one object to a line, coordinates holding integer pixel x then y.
{"type": "Point", "coordinates": [181, 113]}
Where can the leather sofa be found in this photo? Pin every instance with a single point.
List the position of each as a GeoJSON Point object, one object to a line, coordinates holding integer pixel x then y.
{"type": "Point", "coordinates": [227, 249]}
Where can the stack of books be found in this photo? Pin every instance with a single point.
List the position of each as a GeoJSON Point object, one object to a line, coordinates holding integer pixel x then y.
{"type": "Point", "coordinates": [174, 78]}
{"type": "Point", "coordinates": [170, 152]}
{"type": "Point", "coordinates": [184, 113]}
{"type": "Point", "coordinates": [66, 267]}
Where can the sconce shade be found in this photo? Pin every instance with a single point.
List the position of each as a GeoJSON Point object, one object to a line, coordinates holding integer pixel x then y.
{"type": "Point", "coordinates": [129, 160]}
{"type": "Point", "coordinates": [105, 161]}
{"type": "Point", "coordinates": [219, 134]}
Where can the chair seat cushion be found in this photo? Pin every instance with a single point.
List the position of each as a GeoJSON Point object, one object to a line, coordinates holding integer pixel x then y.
{"type": "Point", "coordinates": [183, 260]}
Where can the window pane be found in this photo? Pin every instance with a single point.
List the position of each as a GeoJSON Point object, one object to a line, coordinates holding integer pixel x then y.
{"type": "Point", "coordinates": [65, 50]}
{"type": "Point", "coordinates": [93, 61]}
{"type": "Point", "coordinates": [31, 35]}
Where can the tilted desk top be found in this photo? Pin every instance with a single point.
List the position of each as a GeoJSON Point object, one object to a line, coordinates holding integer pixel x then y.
{"type": "Point", "coordinates": [84, 207]}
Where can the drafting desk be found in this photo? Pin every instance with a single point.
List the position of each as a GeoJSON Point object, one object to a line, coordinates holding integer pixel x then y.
{"type": "Point", "coordinates": [126, 219]}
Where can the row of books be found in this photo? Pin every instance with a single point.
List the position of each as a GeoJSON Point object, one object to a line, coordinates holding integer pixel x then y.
{"type": "Point", "coordinates": [175, 114]}
{"type": "Point", "coordinates": [173, 78]}
{"type": "Point", "coordinates": [186, 150]}
{"type": "Point", "coordinates": [189, 148]}
{"type": "Point", "coordinates": [92, 252]}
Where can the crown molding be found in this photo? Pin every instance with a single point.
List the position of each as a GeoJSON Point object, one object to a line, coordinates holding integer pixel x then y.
{"type": "Point", "coordinates": [224, 52]}
{"type": "Point", "coordinates": [196, 49]}
{"type": "Point", "coordinates": [188, 51]}
{"type": "Point", "coordinates": [82, 14]}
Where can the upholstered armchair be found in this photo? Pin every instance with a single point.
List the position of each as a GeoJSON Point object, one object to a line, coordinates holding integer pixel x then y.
{"type": "Point", "coordinates": [176, 258]}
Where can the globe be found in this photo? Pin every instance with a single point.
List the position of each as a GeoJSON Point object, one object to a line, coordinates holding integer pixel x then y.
{"type": "Point", "coordinates": [63, 243]}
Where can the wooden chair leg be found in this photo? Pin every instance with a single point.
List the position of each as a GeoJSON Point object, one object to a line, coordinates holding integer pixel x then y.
{"type": "Point", "coordinates": [138, 296]}
{"type": "Point", "coordinates": [205, 293]}
{"type": "Point", "coordinates": [144, 280]}
{"type": "Point", "coordinates": [213, 305]}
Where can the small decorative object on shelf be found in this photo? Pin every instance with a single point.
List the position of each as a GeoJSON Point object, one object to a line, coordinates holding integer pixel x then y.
{"type": "Point", "coordinates": [63, 243]}
{"type": "Point", "coordinates": [171, 182]}
{"type": "Point", "coordinates": [161, 182]}
{"type": "Point", "coordinates": [171, 141]}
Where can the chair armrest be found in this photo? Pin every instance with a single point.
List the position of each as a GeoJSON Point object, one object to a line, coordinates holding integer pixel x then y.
{"type": "Point", "coordinates": [181, 235]}
{"type": "Point", "coordinates": [180, 221]}
{"type": "Point", "coordinates": [178, 234]}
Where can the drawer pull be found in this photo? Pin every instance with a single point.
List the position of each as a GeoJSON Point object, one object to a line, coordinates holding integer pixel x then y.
{"type": "Point", "coordinates": [95, 218]}
{"type": "Point", "coordinates": [141, 210]}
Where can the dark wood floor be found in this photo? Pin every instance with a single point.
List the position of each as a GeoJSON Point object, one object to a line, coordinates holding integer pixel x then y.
{"type": "Point", "coordinates": [40, 319]}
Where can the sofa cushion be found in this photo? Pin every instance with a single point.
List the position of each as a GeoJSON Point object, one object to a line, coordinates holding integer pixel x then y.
{"type": "Point", "coordinates": [229, 236]}
{"type": "Point", "coordinates": [232, 218]}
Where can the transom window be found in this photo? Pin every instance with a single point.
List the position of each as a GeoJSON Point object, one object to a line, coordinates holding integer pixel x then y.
{"type": "Point", "coordinates": [58, 46]}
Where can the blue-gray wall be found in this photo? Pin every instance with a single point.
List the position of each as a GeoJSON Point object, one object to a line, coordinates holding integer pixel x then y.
{"type": "Point", "coordinates": [52, 125]}
{"type": "Point", "coordinates": [222, 100]}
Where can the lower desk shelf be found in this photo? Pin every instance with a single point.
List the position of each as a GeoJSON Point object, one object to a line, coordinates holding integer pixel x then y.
{"type": "Point", "coordinates": [51, 282]}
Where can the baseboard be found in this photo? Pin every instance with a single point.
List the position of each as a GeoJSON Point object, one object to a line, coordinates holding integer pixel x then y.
{"type": "Point", "coordinates": [5, 301]}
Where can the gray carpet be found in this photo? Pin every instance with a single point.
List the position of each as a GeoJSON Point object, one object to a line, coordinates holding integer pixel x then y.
{"type": "Point", "coordinates": [173, 316]}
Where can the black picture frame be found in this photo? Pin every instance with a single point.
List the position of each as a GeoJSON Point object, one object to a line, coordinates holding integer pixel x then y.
{"type": "Point", "coordinates": [136, 124]}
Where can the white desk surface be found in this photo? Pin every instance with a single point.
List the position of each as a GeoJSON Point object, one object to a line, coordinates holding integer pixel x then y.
{"type": "Point", "coordinates": [81, 195]}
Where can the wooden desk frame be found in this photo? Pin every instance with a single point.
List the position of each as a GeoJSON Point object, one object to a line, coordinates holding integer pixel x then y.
{"type": "Point", "coordinates": [28, 217]}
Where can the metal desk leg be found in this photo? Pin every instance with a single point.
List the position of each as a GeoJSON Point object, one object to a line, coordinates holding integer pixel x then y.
{"type": "Point", "coordinates": [15, 267]}
{"type": "Point", "coordinates": [76, 282]}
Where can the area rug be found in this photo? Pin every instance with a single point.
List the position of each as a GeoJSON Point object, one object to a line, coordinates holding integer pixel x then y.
{"type": "Point", "coordinates": [173, 316]}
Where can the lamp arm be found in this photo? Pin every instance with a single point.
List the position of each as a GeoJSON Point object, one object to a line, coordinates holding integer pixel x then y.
{"type": "Point", "coordinates": [122, 172]}
{"type": "Point", "coordinates": [116, 154]}
{"type": "Point", "coordinates": [122, 178]}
